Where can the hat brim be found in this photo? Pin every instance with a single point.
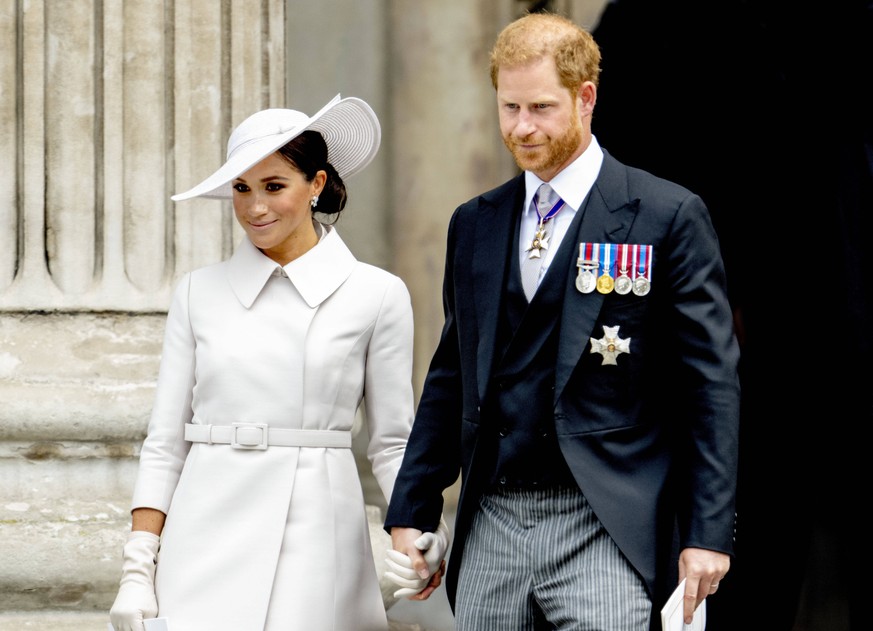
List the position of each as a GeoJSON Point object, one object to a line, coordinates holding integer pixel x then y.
{"type": "Point", "coordinates": [350, 129]}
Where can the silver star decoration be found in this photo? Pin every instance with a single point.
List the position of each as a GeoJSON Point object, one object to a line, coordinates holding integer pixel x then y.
{"type": "Point", "coordinates": [610, 345]}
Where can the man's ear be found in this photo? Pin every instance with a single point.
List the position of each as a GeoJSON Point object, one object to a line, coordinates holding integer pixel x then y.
{"type": "Point", "coordinates": [586, 98]}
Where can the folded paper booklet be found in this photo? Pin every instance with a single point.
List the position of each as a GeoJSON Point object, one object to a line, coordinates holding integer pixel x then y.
{"type": "Point", "coordinates": [151, 624]}
{"type": "Point", "coordinates": [673, 614]}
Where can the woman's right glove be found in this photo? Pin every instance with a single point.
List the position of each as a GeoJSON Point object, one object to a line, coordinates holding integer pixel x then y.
{"type": "Point", "coordinates": [434, 545]}
{"type": "Point", "coordinates": [136, 595]}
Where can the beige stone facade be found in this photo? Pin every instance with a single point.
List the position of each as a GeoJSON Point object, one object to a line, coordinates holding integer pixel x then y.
{"type": "Point", "coordinates": [106, 109]}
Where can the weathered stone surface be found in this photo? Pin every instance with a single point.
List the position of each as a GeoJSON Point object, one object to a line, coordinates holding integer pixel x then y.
{"type": "Point", "coordinates": [96, 621]}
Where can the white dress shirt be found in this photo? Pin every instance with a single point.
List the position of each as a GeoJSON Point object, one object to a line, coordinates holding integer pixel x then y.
{"type": "Point", "coordinates": [572, 184]}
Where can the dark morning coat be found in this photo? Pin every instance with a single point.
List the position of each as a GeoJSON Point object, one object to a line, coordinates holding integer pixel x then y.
{"type": "Point", "coordinates": [651, 441]}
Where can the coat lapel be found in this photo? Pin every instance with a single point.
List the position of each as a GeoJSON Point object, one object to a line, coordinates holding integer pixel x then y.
{"type": "Point", "coordinates": [494, 238]}
{"type": "Point", "coordinates": [608, 217]}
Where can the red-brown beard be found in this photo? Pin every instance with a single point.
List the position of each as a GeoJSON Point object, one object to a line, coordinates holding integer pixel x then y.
{"type": "Point", "coordinates": [546, 158]}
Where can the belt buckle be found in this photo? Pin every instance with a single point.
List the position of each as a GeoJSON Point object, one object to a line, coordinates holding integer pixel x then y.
{"type": "Point", "coordinates": [246, 443]}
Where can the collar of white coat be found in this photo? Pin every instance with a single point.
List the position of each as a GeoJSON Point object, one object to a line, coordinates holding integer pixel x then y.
{"type": "Point", "coordinates": [315, 275]}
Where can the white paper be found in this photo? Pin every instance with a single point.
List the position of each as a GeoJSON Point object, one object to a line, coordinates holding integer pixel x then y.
{"type": "Point", "coordinates": [151, 624]}
{"type": "Point", "coordinates": [673, 613]}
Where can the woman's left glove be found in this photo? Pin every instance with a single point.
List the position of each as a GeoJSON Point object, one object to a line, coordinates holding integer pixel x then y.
{"type": "Point", "coordinates": [136, 595]}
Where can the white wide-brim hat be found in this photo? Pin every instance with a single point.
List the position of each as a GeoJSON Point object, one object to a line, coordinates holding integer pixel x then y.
{"type": "Point", "coordinates": [349, 127]}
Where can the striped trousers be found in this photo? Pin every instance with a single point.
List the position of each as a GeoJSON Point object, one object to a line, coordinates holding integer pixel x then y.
{"type": "Point", "coordinates": [540, 559]}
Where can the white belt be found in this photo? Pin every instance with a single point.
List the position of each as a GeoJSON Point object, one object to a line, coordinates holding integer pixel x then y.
{"type": "Point", "coordinates": [261, 436]}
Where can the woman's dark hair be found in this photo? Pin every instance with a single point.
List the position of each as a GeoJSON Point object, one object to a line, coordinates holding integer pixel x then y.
{"type": "Point", "coordinates": [308, 154]}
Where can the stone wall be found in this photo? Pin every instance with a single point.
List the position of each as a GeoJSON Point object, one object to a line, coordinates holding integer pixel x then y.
{"type": "Point", "coordinates": [76, 390]}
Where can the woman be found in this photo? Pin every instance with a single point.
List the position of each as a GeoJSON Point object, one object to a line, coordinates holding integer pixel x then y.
{"type": "Point", "coordinates": [246, 480]}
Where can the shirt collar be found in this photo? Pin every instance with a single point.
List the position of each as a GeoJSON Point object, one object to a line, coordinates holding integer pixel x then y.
{"type": "Point", "coordinates": [573, 182]}
{"type": "Point", "coordinates": [315, 275]}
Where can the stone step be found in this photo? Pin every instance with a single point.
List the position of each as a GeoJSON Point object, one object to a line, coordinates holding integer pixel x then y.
{"type": "Point", "coordinates": [96, 621]}
{"type": "Point", "coordinates": [61, 553]}
{"type": "Point", "coordinates": [53, 621]}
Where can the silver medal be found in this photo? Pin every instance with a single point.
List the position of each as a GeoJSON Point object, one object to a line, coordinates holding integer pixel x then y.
{"type": "Point", "coordinates": [623, 284]}
{"type": "Point", "coordinates": [641, 286]}
{"type": "Point", "coordinates": [586, 281]}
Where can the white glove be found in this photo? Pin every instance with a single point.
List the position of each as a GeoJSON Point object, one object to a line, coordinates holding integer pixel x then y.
{"type": "Point", "coordinates": [136, 595]}
{"type": "Point", "coordinates": [401, 573]}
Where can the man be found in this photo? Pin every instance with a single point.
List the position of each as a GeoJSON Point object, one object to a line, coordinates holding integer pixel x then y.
{"type": "Point", "coordinates": [593, 414]}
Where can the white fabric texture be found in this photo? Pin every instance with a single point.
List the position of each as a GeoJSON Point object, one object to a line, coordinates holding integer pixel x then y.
{"type": "Point", "coordinates": [277, 538]}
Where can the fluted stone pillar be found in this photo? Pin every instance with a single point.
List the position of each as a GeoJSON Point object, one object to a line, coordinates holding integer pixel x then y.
{"type": "Point", "coordinates": [106, 108]}
{"type": "Point", "coordinates": [448, 144]}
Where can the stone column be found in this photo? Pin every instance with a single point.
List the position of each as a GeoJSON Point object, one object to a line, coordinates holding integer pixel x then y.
{"type": "Point", "coordinates": [106, 108]}
{"type": "Point", "coordinates": [448, 145]}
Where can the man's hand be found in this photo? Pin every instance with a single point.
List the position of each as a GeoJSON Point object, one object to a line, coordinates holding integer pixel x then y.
{"type": "Point", "coordinates": [702, 571]}
{"type": "Point", "coordinates": [417, 562]}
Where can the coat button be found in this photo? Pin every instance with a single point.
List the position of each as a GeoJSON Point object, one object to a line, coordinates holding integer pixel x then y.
{"type": "Point", "coordinates": [503, 432]}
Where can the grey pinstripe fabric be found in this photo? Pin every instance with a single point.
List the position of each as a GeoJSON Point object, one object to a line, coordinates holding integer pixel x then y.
{"type": "Point", "coordinates": [539, 559]}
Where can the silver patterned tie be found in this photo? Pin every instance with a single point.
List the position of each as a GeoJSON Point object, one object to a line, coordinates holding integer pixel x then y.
{"type": "Point", "coordinates": [532, 265]}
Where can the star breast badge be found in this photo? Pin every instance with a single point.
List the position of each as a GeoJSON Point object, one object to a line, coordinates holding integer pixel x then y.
{"type": "Point", "coordinates": [610, 345]}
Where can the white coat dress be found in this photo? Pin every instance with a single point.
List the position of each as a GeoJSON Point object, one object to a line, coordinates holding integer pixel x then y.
{"type": "Point", "coordinates": [276, 539]}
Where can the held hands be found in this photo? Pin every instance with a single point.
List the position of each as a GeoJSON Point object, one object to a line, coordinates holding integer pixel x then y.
{"type": "Point", "coordinates": [136, 595]}
{"type": "Point", "coordinates": [417, 568]}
